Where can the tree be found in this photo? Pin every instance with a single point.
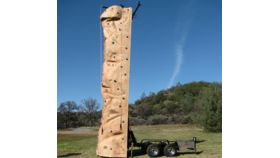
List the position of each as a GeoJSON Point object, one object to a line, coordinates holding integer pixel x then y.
{"type": "Point", "coordinates": [143, 96]}
{"type": "Point", "coordinates": [144, 110]}
{"type": "Point", "coordinates": [90, 107]}
{"type": "Point", "coordinates": [68, 106]}
{"type": "Point", "coordinates": [66, 117]}
{"type": "Point", "coordinates": [212, 120]}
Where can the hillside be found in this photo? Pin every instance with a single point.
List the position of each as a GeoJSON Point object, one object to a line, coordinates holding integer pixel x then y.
{"type": "Point", "coordinates": [191, 103]}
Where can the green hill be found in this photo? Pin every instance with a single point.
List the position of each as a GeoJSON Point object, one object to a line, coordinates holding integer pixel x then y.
{"type": "Point", "coordinates": [192, 103]}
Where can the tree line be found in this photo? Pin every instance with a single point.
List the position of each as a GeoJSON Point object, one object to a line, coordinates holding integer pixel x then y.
{"type": "Point", "coordinates": [198, 103]}
{"type": "Point", "coordinates": [71, 115]}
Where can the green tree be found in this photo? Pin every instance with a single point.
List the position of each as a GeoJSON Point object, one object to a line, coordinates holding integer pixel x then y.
{"type": "Point", "coordinates": [212, 102]}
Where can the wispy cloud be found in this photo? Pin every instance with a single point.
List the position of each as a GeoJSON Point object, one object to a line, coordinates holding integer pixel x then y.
{"type": "Point", "coordinates": [182, 29]}
{"type": "Point", "coordinates": [179, 52]}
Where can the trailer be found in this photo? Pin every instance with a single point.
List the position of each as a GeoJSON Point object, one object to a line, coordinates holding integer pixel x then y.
{"type": "Point", "coordinates": [158, 147]}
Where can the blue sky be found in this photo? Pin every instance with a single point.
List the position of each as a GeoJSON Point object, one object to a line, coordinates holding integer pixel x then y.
{"type": "Point", "coordinates": [172, 41]}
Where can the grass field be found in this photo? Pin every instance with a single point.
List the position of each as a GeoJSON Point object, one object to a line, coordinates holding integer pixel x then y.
{"type": "Point", "coordinates": [81, 142]}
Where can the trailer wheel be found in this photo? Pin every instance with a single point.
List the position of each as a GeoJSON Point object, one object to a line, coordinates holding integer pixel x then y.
{"type": "Point", "coordinates": [153, 150]}
{"type": "Point", "coordinates": [170, 150]}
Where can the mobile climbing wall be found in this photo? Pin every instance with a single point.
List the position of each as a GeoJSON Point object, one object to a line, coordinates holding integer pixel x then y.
{"type": "Point", "coordinates": [112, 135]}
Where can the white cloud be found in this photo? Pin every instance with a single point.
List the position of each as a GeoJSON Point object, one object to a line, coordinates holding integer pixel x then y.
{"type": "Point", "coordinates": [182, 29]}
{"type": "Point", "coordinates": [179, 52]}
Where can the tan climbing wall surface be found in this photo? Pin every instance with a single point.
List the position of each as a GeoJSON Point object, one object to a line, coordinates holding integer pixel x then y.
{"type": "Point", "coordinates": [112, 135]}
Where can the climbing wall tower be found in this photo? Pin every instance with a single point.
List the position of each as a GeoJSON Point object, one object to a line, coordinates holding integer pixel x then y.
{"type": "Point", "coordinates": [112, 135]}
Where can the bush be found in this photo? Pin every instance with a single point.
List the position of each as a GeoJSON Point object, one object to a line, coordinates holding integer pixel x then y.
{"type": "Point", "coordinates": [157, 119]}
{"type": "Point", "coordinates": [136, 121]}
{"type": "Point", "coordinates": [186, 120]}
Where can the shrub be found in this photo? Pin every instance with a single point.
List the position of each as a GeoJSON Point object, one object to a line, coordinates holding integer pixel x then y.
{"type": "Point", "coordinates": [157, 119]}
{"type": "Point", "coordinates": [136, 121]}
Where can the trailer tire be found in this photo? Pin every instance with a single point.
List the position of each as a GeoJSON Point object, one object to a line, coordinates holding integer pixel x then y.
{"type": "Point", "coordinates": [153, 150]}
{"type": "Point", "coordinates": [170, 150]}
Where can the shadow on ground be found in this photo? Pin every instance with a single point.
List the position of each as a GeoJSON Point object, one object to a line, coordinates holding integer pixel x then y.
{"type": "Point", "coordinates": [139, 152]}
{"type": "Point", "coordinates": [69, 154]}
{"type": "Point", "coordinates": [186, 153]}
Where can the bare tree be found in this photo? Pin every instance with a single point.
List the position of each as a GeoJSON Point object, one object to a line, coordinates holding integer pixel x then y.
{"type": "Point", "coordinates": [90, 107]}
